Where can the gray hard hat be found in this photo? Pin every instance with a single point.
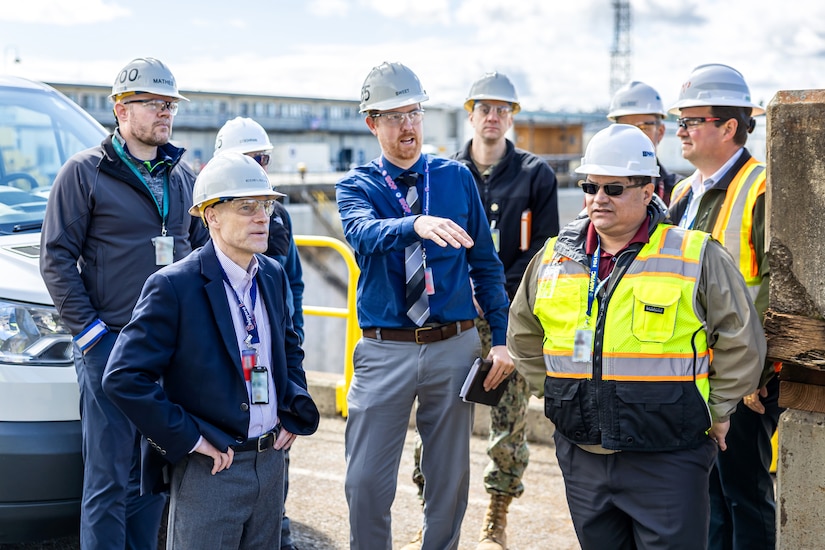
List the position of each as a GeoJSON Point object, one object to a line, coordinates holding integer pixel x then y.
{"type": "Point", "coordinates": [145, 75]}
{"type": "Point", "coordinates": [493, 86]}
{"type": "Point", "coordinates": [715, 85]}
{"type": "Point", "coordinates": [390, 86]}
{"type": "Point", "coordinates": [636, 98]}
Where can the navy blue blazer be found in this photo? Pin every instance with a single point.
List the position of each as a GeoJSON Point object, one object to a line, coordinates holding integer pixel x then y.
{"type": "Point", "coordinates": [176, 372]}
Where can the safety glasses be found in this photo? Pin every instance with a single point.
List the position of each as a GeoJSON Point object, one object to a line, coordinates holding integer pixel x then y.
{"type": "Point", "coordinates": [610, 189]}
{"type": "Point", "coordinates": [156, 105]}
{"type": "Point", "coordinates": [694, 121]}
{"type": "Point", "coordinates": [249, 207]}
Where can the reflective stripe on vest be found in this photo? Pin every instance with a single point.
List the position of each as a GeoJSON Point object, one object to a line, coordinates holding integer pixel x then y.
{"type": "Point", "coordinates": [734, 223]}
{"type": "Point", "coordinates": [651, 331]}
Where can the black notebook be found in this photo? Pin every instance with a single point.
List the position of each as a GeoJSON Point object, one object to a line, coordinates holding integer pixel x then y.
{"type": "Point", "coordinates": [472, 391]}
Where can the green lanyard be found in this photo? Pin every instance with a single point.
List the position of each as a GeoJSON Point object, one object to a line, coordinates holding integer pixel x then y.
{"type": "Point", "coordinates": [126, 158]}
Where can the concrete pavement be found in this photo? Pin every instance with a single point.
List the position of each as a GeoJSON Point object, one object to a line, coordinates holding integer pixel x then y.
{"type": "Point", "coordinates": [318, 509]}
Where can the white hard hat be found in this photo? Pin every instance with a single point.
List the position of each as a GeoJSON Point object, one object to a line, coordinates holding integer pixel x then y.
{"type": "Point", "coordinates": [241, 135]}
{"type": "Point", "coordinates": [495, 87]}
{"type": "Point", "coordinates": [715, 85]}
{"type": "Point", "coordinates": [390, 86]}
{"type": "Point", "coordinates": [636, 98]}
{"type": "Point", "coordinates": [619, 150]}
{"type": "Point", "coordinates": [145, 75]}
{"type": "Point", "coordinates": [229, 176]}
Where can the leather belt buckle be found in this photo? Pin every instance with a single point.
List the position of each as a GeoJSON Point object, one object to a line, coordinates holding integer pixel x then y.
{"type": "Point", "coordinates": [264, 442]}
{"type": "Point", "coordinates": [419, 331]}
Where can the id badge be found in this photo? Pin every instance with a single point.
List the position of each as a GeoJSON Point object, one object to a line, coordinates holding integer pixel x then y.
{"type": "Point", "coordinates": [164, 250]}
{"type": "Point", "coordinates": [260, 386]}
{"type": "Point", "coordinates": [496, 235]}
{"type": "Point", "coordinates": [429, 285]}
{"type": "Point", "coordinates": [582, 345]}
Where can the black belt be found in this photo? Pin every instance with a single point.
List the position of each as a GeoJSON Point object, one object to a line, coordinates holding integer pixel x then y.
{"type": "Point", "coordinates": [259, 444]}
{"type": "Point", "coordinates": [422, 335]}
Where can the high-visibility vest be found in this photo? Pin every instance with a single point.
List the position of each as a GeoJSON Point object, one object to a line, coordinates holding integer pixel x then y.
{"type": "Point", "coordinates": [648, 349]}
{"type": "Point", "coordinates": [734, 224]}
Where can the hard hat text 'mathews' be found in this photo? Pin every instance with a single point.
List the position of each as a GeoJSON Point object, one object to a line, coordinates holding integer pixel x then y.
{"type": "Point", "coordinates": [164, 81]}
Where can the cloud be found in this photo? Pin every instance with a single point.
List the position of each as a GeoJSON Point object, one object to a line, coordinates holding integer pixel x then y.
{"type": "Point", "coordinates": [421, 12]}
{"type": "Point", "coordinates": [556, 53]}
{"type": "Point", "coordinates": [328, 8]}
{"type": "Point", "coordinates": [687, 14]}
{"type": "Point", "coordinates": [61, 13]}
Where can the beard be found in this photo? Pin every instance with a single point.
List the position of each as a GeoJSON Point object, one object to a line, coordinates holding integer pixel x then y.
{"type": "Point", "coordinates": [154, 136]}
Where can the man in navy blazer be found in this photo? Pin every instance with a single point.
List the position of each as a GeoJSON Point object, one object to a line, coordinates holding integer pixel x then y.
{"type": "Point", "coordinates": [209, 370]}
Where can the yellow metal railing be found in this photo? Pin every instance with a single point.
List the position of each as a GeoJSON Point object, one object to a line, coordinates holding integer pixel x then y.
{"type": "Point", "coordinates": [353, 332]}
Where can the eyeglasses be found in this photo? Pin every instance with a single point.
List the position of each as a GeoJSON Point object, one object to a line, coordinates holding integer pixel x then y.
{"type": "Point", "coordinates": [485, 109]}
{"type": "Point", "coordinates": [610, 189]}
{"type": "Point", "coordinates": [694, 121]}
{"type": "Point", "coordinates": [249, 207]}
{"type": "Point", "coordinates": [394, 118]}
{"type": "Point", "coordinates": [157, 105]}
{"type": "Point", "coordinates": [262, 159]}
{"type": "Point", "coordinates": [646, 124]}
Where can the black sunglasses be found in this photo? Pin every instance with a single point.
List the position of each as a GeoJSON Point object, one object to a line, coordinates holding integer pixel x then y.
{"type": "Point", "coordinates": [262, 159]}
{"type": "Point", "coordinates": [610, 189]}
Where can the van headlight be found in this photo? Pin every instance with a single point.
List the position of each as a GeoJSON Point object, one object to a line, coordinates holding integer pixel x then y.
{"type": "Point", "coordinates": [33, 335]}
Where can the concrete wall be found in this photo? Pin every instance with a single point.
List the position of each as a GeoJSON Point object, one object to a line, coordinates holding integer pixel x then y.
{"type": "Point", "coordinates": [796, 225]}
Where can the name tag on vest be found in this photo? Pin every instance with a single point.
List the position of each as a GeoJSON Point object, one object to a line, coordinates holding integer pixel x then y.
{"type": "Point", "coordinates": [655, 309]}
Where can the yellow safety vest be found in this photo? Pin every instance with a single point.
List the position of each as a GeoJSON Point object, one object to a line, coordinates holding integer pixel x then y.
{"type": "Point", "coordinates": [734, 224]}
{"type": "Point", "coordinates": [650, 344]}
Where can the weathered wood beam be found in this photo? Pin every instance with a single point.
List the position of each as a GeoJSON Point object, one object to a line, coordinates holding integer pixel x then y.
{"type": "Point", "coordinates": [795, 339]}
{"type": "Point", "coordinates": [799, 342]}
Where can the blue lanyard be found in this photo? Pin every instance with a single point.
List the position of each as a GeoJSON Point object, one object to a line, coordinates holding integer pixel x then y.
{"type": "Point", "coordinates": [401, 197]}
{"type": "Point", "coordinates": [594, 286]}
{"type": "Point", "coordinates": [249, 318]}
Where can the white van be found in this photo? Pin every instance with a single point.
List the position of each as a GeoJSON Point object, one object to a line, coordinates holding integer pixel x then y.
{"type": "Point", "coordinates": [41, 467]}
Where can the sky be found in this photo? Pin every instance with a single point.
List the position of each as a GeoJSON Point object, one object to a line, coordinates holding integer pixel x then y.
{"type": "Point", "coordinates": [557, 52]}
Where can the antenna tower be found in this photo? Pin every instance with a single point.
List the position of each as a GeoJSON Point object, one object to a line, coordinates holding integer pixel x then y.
{"type": "Point", "coordinates": [620, 53]}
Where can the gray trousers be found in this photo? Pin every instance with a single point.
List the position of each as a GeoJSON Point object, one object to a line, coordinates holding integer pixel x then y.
{"type": "Point", "coordinates": [240, 507]}
{"type": "Point", "coordinates": [387, 379]}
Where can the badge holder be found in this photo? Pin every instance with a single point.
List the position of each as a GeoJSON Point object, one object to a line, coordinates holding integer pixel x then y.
{"type": "Point", "coordinates": [260, 386]}
{"type": "Point", "coordinates": [164, 250]}
{"type": "Point", "coordinates": [582, 345]}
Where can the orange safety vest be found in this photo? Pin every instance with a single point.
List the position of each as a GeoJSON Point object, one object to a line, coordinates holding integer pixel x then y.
{"type": "Point", "coordinates": [734, 224]}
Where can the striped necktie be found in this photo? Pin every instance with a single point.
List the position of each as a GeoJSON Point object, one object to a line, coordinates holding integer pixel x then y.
{"type": "Point", "coordinates": [417, 301]}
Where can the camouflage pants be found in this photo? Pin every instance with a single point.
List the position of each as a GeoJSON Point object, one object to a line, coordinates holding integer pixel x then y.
{"type": "Point", "coordinates": [507, 445]}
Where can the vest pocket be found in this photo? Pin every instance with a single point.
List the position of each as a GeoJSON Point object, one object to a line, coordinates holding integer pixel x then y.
{"type": "Point", "coordinates": [560, 306]}
{"type": "Point", "coordinates": [660, 416]}
{"type": "Point", "coordinates": [654, 312]}
{"type": "Point", "coordinates": [565, 405]}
